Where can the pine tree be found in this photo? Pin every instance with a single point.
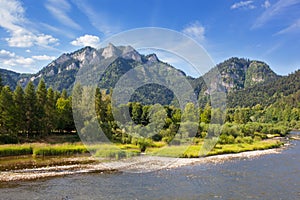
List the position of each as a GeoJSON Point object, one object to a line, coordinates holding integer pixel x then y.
{"type": "Point", "coordinates": [30, 109]}
{"type": "Point", "coordinates": [19, 105]}
{"type": "Point", "coordinates": [64, 94]}
{"type": "Point", "coordinates": [65, 115]}
{"type": "Point", "coordinates": [98, 104]}
{"type": "Point", "coordinates": [41, 97]}
{"type": "Point", "coordinates": [137, 112]}
{"type": "Point", "coordinates": [50, 112]}
{"type": "Point", "coordinates": [7, 111]}
{"type": "Point", "coordinates": [206, 114]}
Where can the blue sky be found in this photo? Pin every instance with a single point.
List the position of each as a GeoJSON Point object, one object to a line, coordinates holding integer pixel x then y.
{"type": "Point", "coordinates": [33, 33]}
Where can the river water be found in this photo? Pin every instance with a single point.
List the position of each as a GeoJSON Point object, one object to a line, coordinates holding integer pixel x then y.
{"type": "Point", "coordinates": [273, 176]}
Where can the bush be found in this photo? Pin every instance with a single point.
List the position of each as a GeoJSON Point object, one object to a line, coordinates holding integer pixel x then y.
{"type": "Point", "coordinates": [257, 138]}
{"type": "Point", "coordinates": [203, 134]}
{"type": "Point", "coordinates": [167, 139]}
{"type": "Point", "coordinates": [144, 143]}
{"type": "Point", "coordinates": [238, 139]}
{"type": "Point", "coordinates": [8, 139]}
{"type": "Point", "coordinates": [226, 139]}
{"type": "Point", "coordinates": [248, 140]}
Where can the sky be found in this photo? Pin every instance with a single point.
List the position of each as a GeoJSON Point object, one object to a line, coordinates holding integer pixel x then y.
{"type": "Point", "coordinates": [33, 33]}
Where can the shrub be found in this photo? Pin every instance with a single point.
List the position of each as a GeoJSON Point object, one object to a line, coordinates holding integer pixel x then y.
{"type": "Point", "coordinates": [257, 138]}
{"type": "Point", "coordinates": [248, 140]}
{"type": "Point", "coordinates": [226, 139]}
{"type": "Point", "coordinates": [144, 143]}
{"type": "Point", "coordinates": [238, 139]}
{"type": "Point", "coordinates": [8, 139]}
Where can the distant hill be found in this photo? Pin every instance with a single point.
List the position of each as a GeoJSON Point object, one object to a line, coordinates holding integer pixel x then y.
{"type": "Point", "coordinates": [247, 82]}
{"type": "Point", "coordinates": [236, 74]}
{"type": "Point", "coordinates": [266, 93]}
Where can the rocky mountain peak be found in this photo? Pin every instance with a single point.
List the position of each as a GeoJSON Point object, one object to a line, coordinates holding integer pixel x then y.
{"type": "Point", "coordinates": [111, 51]}
{"type": "Point", "coordinates": [129, 52]}
{"type": "Point", "coordinates": [152, 58]}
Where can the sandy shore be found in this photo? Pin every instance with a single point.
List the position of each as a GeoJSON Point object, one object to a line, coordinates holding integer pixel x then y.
{"type": "Point", "coordinates": [140, 164]}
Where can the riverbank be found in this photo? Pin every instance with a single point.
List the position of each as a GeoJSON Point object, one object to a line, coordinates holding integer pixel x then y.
{"type": "Point", "coordinates": [138, 164]}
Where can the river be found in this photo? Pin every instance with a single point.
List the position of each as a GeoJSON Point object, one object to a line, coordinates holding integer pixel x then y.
{"type": "Point", "coordinates": [272, 176]}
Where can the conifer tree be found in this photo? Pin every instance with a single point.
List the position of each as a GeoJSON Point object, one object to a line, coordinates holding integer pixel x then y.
{"type": "Point", "coordinates": [50, 111]}
{"type": "Point", "coordinates": [41, 97]}
{"type": "Point", "coordinates": [19, 105]}
{"type": "Point", "coordinates": [30, 109]}
{"type": "Point", "coordinates": [7, 111]}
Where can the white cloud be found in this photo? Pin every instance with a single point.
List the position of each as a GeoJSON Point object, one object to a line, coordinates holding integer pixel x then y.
{"type": "Point", "coordinates": [195, 30]}
{"type": "Point", "coordinates": [278, 8]}
{"type": "Point", "coordinates": [43, 57]}
{"type": "Point", "coordinates": [28, 51]}
{"type": "Point", "coordinates": [13, 20]}
{"type": "Point", "coordinates": [19, 61]}
{"type": "Point", "coordinates": [10, 59]}
{"type": "Point", "coordinates": [292, 28]}
{"type": "Point", "coordinates": [6, 54]}
{"type": "Point", "coordinates": [243, 4]}
{"type": "Point", "coordinates": [87, 40]}
{"type": "Point", "coordinates": [266, 4]}
{"type": "Point", "coordinates": [59, 10]}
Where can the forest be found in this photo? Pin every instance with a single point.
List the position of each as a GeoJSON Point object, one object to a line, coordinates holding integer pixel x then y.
{"type": "Point", "coordinates": [40, 112]}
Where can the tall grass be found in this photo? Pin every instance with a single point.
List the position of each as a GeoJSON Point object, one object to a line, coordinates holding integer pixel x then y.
{"type": "Point", "coordinates": [56, 150]}
{"type": "Point", "coordinates": [193, 151]}
{"type": "Point", "coordinates": [112, 151]}
{"type": "Point", "coordinates": [15, 150]}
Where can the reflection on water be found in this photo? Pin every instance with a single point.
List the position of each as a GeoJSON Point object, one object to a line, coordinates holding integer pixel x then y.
{"type": "Point", "coordinates": [274, 176]}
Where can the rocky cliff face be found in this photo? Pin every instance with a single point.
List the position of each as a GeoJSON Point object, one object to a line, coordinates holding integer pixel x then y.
{"type": "Point", "coordinates": [60, 73]}
{"type": "Point", "coordinates": [231, 75]}
{"type": "Point", "coordinates": [238, 73]}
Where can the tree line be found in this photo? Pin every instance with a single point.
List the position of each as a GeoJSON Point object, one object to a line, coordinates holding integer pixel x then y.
{"type": "Point", "coordinates": [33, 112]}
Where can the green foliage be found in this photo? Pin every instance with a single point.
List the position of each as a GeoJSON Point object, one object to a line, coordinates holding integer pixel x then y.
{"type": "Point", "coordinates": [54, 150]}
{"type": "Point", "coordinates": [7, 111]}
{"type": "Point", "coordinates": [15, 150]}
{"type": "Point", "coordinates": [144, 143]}
{"type": "Point", "coordinates": [206, 114]}
{"type": "Point", "coordinates": [266, 93]}
{"type": "Point", "coordinates": [8, 139]}
{"type": "Point", "coordinates": [31, 108]}
{"type": "Point", "coordinates": [226, 139]}
{"type": "Point", "coordinates": [115, 152]}
{"type": "Point", "coordinates": [19, 108]}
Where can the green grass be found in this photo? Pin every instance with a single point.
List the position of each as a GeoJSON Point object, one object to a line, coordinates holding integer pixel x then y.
{"type": "Point", "coordinates": [56, 150]}
{"type": "Point", "coordinates": [193, 151]}
{"type": "Point", "coordinates": [242, 147]}
{"type": "Point", "coordinates": [15, 150]}
{"type": "Point", "coordinates": [117, 151]}
{"type": "Point", "coordinates": [66, 149]}
{"type": "Point", "coordinates": [113, 151]}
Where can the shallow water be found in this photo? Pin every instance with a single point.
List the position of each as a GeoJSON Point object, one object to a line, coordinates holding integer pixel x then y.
{"type": "Point", "coordinates": [274, 176]}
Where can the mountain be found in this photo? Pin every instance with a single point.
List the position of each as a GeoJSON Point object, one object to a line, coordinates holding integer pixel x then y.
{"type": "Point", "coordinates": [266, 93]}
{"type": "Point", "coordinates": [235, 76]}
